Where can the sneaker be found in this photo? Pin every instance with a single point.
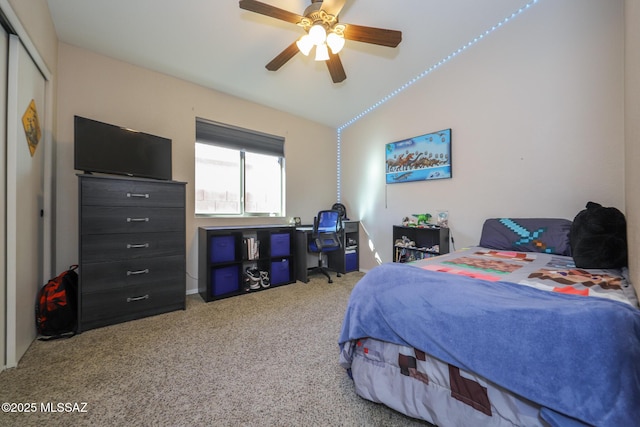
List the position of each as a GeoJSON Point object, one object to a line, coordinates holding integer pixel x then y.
{"type": "Point", "coordinates": [253, 274]}
{"type": "Point", "coordinates": [264, 279]}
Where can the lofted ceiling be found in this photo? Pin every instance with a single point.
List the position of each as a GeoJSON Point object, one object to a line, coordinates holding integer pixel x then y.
{"type": "Point", "coordinates": [215, 44]}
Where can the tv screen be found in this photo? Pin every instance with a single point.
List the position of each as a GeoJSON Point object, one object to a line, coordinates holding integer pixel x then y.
{"type": "Point", "coordinates": [105, 148]}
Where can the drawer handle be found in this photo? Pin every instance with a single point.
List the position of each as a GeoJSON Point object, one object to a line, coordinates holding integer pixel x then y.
{"type": "Point", "coordinates": [136, 246]}
{"type": "Point", "coordinates": [140, 298]}
{"type": "Point", "coordinates": [132, 273]}
{"type": "Point", "coordinates": [137, 219]}
{"type": "Point", "coordinates": [140, 195]}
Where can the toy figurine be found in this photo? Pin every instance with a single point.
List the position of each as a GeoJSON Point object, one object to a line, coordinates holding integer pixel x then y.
{"type": "Point", "coordinates": [423, 218]}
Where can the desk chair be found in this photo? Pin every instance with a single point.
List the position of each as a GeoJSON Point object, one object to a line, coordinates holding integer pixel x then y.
{"type": "Point", "coordinates": [325, 237]}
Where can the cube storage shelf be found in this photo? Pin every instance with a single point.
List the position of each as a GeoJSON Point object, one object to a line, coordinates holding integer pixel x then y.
{"type": "Point", "coordinates": [427, 241]}
{"type": "Point", "coordinates": [226, 253]}
{"type": "Point", "coordinates": [347, 259]}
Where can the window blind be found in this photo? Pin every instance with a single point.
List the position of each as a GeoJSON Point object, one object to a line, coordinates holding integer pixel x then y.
{"type": "Point", "coordinates": [237, 138]}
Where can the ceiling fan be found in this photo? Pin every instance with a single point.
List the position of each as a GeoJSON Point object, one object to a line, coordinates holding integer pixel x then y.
{"type": "Point", "coordinates": [324, 32]}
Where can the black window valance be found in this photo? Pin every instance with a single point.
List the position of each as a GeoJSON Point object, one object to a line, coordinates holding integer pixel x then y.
{"type": "Point", "coordinates": [237, 138]}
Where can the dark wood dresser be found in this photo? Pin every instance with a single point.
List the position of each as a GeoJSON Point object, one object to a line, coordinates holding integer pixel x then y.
{"type": "Point", "coordinates": [132, 249]}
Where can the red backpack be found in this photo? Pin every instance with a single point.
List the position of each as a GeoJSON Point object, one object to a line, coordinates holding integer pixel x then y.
{"type": "Point", "coordinates": [57, 306]}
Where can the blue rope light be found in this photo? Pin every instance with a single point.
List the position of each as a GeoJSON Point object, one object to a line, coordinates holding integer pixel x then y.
{"type": "Point", "coordinates": [420, 76]}
{"type": "Point", "coordinates": [339, 163]}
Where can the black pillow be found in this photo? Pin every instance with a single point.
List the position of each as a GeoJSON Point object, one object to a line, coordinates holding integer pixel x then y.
{"type": "Point", "coordinates": [598, 237]}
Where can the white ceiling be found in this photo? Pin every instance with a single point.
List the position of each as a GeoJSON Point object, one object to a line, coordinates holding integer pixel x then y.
{"type": "Point", "coordinates": [216, 44]}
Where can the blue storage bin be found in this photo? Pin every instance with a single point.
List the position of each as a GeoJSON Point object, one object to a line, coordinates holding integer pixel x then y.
{"type": "Point", "coordinates": [280, 272]}
{"type": "Point", "coordinates": [351, 261]}
{"type": "Point", "coordinates": [280, 244]}
{"type": "Point", "coordinates": [223, 248]}
{"type": "Point", "coordinates": [225, 280]}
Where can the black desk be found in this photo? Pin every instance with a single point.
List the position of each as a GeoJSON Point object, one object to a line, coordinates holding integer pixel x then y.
{"type": "Point", "coordinates": [344, 260]}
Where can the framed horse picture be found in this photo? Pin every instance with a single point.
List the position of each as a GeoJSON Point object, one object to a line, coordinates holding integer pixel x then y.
{"type": "Point", "coordinates": [421, 158]}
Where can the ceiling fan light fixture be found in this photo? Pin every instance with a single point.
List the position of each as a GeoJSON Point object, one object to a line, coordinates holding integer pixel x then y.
{"type": "Point", "coordinates": [335, 42]}
{"type": "Point", "coordinates": [320, 23]}
{"type": "Point", "coordinates": [318, 34]}
{"type": "Point", "coordinates": [322, 52]}
{"type": "Point", "coordinates": [305, 44]}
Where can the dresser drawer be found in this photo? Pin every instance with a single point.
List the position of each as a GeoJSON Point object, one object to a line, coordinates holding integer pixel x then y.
{"type": "Point", "coordinates": [111, 275]}
{"type": "Point", "coordinates": [115, 247]}
{"type": "Point", "coordinates": [115, 192]}
{"type": "Point", "coordinates": [106, 307]}
{"type": "Point", "coordinates": [100, 219]}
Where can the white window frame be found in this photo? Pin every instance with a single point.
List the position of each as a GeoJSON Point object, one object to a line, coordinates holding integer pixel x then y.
{"type": "Point", "coordinates": [242, 141]}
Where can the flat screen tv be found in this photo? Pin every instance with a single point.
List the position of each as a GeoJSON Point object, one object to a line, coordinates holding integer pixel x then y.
{"type": "Point", "coordinates": [105, 148]}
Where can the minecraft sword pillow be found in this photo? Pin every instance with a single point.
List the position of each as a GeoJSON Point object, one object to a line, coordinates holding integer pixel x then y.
{"type": "Point", "coordinates": [546, 235]}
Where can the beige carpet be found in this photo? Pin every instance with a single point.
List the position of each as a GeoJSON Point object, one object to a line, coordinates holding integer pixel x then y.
{"type": "Point", "coordinates": [268, 358]}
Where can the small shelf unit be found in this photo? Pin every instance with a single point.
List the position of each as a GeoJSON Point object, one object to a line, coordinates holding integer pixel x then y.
{"type": "Point", "coordinates": [347, 259]}
{"type": "Point", "coordinates": [428, 241]}
{"type": "Point", "coordinates": [226, 253]}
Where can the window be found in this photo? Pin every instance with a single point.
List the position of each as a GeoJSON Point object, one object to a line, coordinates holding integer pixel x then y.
{"type": "Point", "coordinates": [238, 172]}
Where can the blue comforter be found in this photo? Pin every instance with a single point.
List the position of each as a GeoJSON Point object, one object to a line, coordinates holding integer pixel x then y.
{"type": "Point", "coordinates": [577, 356]}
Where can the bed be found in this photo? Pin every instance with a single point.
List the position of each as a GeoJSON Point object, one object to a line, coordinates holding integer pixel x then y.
{"type": "Point", "coordinates": [493, 336]}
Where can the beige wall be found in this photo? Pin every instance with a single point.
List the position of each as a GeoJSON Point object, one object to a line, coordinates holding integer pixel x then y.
{"type": "Point", "coordinates": [632, 135]}
{"type": "Point", "coordinates": [564, 61]}
{"type": "Point", "coordinates": [104, 89]}
{"type": "Point", "coordinates": [536, 111]}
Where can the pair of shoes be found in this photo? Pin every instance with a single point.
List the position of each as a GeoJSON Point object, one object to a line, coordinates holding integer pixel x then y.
{"type": "Point", "coordinates": [256, 279]}
{"type": "Point", "coordinates": [252, 276]}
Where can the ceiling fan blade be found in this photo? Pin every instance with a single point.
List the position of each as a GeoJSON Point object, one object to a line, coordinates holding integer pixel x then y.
{"type": "Point", "coordinates": [333, 7]}
{"type": "Point", "coordinates": [268, 10]}
{"type": "Point", "coordinates": [379, 36]}
{"type": "Point", "coordinates": [283, 57]}
{"type": "Point", "coordinates": [335, 68]}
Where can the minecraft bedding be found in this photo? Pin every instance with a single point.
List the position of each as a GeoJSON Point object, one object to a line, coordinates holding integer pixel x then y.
{"type": "Point", "coordinates": [421, 386]}
{"type": "Point", "coordinates": [534, 339]}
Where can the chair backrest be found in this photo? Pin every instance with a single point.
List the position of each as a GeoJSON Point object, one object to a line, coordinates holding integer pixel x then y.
{"type": "Point", "coordinates": [326, 227]}
{"type": "Point", "coordinates": [327, 221]}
